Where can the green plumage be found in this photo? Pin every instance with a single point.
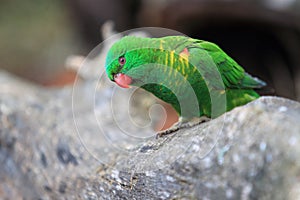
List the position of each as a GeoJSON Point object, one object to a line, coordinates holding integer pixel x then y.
{"type": "Point", "coordinates": [196, 77]}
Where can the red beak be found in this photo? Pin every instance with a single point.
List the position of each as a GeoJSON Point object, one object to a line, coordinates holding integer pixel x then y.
{"type": "Point", "coordinates": [123, 80]}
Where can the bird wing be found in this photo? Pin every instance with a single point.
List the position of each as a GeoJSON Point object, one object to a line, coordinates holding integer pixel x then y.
{"type": "Point", "coordinates": [209, 57]}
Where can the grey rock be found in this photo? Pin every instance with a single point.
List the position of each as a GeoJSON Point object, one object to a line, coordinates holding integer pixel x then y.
{"type": "Point", "coordinates": [52, 147]}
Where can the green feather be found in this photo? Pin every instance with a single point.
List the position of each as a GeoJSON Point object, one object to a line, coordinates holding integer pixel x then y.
{"type": "Point", "coordinates": [209, 83]}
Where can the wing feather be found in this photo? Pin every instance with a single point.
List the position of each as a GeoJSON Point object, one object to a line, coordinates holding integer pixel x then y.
{"type": "Point", "coordinates": [232, 74]}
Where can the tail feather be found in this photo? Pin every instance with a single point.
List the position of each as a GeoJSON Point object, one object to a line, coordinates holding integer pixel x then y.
{"type": "Point", "coordinates": [252, 82]}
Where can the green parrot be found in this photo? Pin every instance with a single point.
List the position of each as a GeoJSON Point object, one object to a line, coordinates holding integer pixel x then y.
{"type": "Point", "coordinates": [196, 77]}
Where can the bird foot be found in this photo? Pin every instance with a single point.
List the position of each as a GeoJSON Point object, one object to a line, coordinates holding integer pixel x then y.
{"type": "Point", "coordinates": [182, 123]}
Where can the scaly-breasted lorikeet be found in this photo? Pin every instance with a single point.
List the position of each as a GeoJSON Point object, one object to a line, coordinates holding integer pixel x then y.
{"type": "Point", "coordinates": [196, 77]}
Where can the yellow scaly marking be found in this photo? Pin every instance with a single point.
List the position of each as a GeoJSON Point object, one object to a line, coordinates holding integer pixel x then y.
{"type": "Point", "coordinates": [195, 69]}
{"type": "Point", "coordinates": [172, 58]}
{"type": "Point", "coordinates": [166, 59]}
{"type": "Point", "coordinates": [183, 67]}
{"type": "Point", "coordinates": [180, 63]}
{"type": "Point", "coordinates": [170, 71]}
{"type": "Point", "coordinates": [187, 63]}
{"type": "Point", "coordinates": [161, 48]}
{"type": "Point", "coordinates": [171, 63]}
{"type": "Point", "coordinates": [161, 45]}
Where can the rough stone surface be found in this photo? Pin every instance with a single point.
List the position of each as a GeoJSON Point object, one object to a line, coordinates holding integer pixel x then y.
{"type": "Point", "coordinates": [252, 152]}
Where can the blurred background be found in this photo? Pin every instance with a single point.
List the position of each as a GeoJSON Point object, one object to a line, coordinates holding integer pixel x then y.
{"type": "Point", "coordinates": [36, 37]}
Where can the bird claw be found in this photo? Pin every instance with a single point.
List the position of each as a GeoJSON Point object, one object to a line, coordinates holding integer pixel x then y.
{"type": "Point", "coordinates": [168, 131]}
{"type": "Point", "coordinates": [182, 124]}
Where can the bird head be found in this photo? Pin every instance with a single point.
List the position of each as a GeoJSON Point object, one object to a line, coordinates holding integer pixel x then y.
{"type": "Point", "coordinates": [123, 60]}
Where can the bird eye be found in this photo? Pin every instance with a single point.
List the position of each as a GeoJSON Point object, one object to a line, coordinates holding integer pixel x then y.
{"type": "Point", "coordinates": [116, 76]}
{"type": "Point", "coordinates": [122, 60]}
